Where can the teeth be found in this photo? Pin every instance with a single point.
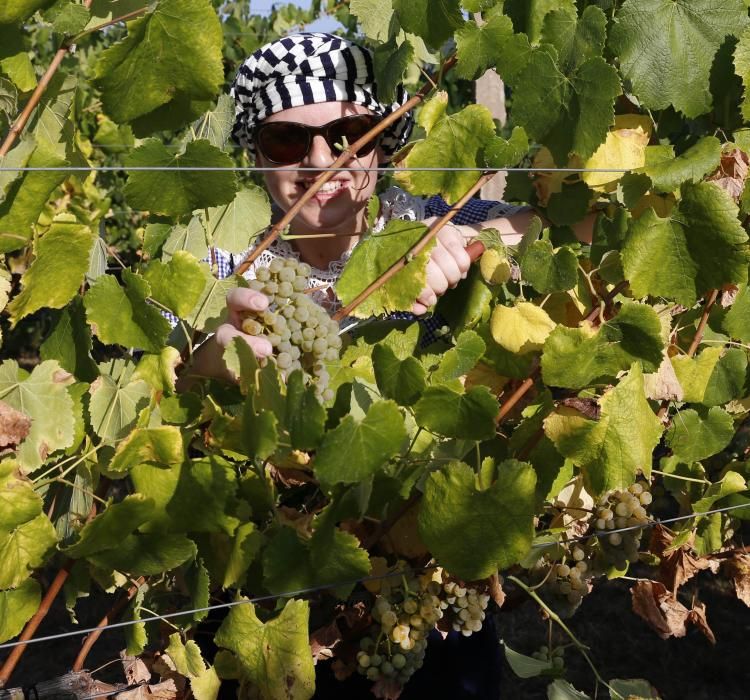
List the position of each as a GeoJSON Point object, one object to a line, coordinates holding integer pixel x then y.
{"type": "Point", "coordinates": [331, 187]}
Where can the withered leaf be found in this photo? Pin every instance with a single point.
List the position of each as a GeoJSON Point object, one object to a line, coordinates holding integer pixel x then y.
{"type": "Point", "coordinates": [679, 564]}
{"type": "Point", "coordinates": [657, 606]}
{"type": "Point", "coordinates": [697, 616]}
{"type": "Point", "coordinates": [14, 425]}
{"type": "Point", "coordinates": [738, 570]}
{"type": "Point", "coordinates": [732, 172]}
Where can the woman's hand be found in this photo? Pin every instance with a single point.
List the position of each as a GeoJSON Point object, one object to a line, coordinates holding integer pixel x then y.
{"type": "Point", "coordinates": [449, 263]}
{"type": "Point", "coordinates": [239, 302]}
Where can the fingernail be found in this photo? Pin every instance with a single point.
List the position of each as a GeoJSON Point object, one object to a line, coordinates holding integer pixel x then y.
{"type": "Point", "coordinates": [258, 303]}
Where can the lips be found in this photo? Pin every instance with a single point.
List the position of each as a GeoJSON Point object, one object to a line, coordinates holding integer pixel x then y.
{"type": "Point", "coordinates": [330, 190]}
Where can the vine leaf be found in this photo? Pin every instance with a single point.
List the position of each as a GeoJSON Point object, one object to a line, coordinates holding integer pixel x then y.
{"type": "Point", "coordinates": [691, 166]}
{"type": "Point", "coordinates": [197, 495]}
{"type": "Point", "coordinates": [275, 657]}
{"type": "Point", "coordinates": [204, 681]}
{"type": "Point", "coordinates": [521, 328]}
{"type": "Point", "coordinates": [737, 319]}
{"type": "Point", "coordinates": [547, 270]}
{"type": "Point", "coordinates": [115, 401]}
{"type": "Point", "coordinates": [474, 533]}
{"type": "Point", "coordinates": [305, 416]}
{"type": "Point", "coordinates": [477, 46]}
{"type": "Point", "coordinates": [53, 278]}
{"type": "Point", "coordinates": [173, 190]}
{"type": "Point", "coordinates": [400, 380]}
{"type": "Point", "coordinates": [17, 606]}
{"type": "Point", "coordinates": [702, 246]}
{"type": "Point", "coordinates": [742, 68]}
{"type": "Point", "coordinates": [469, 416]}
{"type": "Point", "coordinates": [14, 59]}
{"type": "Point", "coordinates": [341, 559]}
{"type": "Point", "coordinates": [435, 22]}
{"type": "Point", "coordinates": [177, 284]}
{"type": "Point", "coordinates": [354, 450]}
{"type": "Point", "coordinates": [455, 140]}
{"type": "Point", "coordinates": [69, 342]}
{"type": "Point", "coordinates": [235, 226]}
{"type": "Point", "coordinates": [577, 357]}
{"type": "Point", "coordinates": [374, 17]}
{"type": "Point", "coordinates": [146, 555]}
{"type": "Point", "coordinates": [172, 54]}
{"type": "Point", "coordinates": [19, 10]}
{"type": "Point", "coordinates": [67, 19]}
{"type": "Point", "coordinates": [216, 125]}
{"type": "Point", "coordinates": [14, 426]}
{"type": "Point", "coordinates": [695, 435]}
{"type": "Point", "coordinates": [159, 370]}
{"type": "Point", "coordinates": [391, 60]}
{"type": "Point", "coordinates": [24, 549]}
{"type": "Point", "coordinates": [121, 315]}
{"type": "Point", "coordinates": [373, 256]}
{"type": "Point", "coordinates": [461, 358]}
{"type": "Point", "coordinates": [666, 48]}
{"type": "Point", "coordinates": [528, 15]}
{"type": "Point", "coordinates": [209, 311]}
{"type": "Point", "coordinates": [43, 397]}
{"type": "Point", "coordinates": [19, 503]}
{"type": "Point", "coordinates": [161, 446]}
{"type": "Point", "coordinates": [613, 449]}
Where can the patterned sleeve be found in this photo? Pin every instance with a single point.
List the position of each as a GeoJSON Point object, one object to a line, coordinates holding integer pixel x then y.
{"type": "Point", "coordinates": [475, 211]}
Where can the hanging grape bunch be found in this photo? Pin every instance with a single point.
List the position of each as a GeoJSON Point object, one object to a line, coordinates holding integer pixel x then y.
{"type": "Point", "coordinates": [622, 509]}
{"type": "Point", "coordinates": [463, 607]}
{"type": "Point", "coordinates": [300, 331]}
{"type": "Point", "coordinates": [568, 580]}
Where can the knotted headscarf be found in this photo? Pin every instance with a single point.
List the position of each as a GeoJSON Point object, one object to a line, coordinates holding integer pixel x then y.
{"type": "Point", "coordinates": [310, 68]}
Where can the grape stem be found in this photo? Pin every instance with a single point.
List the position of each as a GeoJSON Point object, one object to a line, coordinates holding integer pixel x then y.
{"type": "Point", "coordinates": [576, 642]}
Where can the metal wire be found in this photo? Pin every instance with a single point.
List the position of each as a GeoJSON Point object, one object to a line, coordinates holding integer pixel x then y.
{"type": "Point", "coordinates": [208, 169]}
{"type": "Point", "coordinates": [354, 582]}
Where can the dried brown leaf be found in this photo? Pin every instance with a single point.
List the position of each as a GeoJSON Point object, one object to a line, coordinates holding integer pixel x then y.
{"type": "Point", "coordinates": [496, 589]}
{"type": "Point", "coordinates": [166, 690]}
{"type": "Point", "coordinates": [588, 407]}
{"type": "Point", "coordinates": [663, 384]}
{"type": "Point", "coordinates": [697, 616]}
{"type": "Point", "coordinates": [657, 606]}
{"type": "Point", "coordinates": [14, 425]}
{"type": "Point", "coordinates": [738, 570]}
{"type": "Point", "coordinates": [732, 172]}
{"type": "Point", "coordinates": [679, 564]}
{"type": "Point", "coordinates": [135, 669]}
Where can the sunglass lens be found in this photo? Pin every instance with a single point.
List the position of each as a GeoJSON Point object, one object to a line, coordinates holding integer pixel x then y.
{"type": "Point", "coordinates": [283, 143]}
{"type": "Point", "coordinates": [354, 128]}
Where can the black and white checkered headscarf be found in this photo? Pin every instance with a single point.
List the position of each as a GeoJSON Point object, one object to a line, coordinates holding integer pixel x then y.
{"type": "Point", "coordinates": [310, 68]}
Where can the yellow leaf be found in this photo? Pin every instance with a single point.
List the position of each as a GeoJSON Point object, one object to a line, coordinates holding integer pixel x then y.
{"type": "Point", "coordinates": [522, 328]}
{"type": "Point", "coordinates": [624, 148]}
{"type": "Point", "coordinates": [549, 182]}
{"type": "Point", "coordinates": [495, 267]}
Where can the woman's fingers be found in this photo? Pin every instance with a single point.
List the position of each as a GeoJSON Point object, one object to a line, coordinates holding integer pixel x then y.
{"type": "Point", "coordinates": [454, 242]}
{"type": "Point", "coordinates": [226, 332]}
{"type": "Point", "coordinates": [241, 300]}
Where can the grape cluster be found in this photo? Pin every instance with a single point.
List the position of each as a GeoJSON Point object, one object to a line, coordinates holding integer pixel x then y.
{"type": "Point", "coordinates": [619, 509]}
{"type": "Point", "coordinates": [569, 578]}
{"type": "Point", "coordinates": [302, 334]}
{"type": "Point", "coordinates": [464, 607]}
{"type": "Point", "coordinates": [554, 657]}
{"type": "Point", "coordinates": [397, 643]}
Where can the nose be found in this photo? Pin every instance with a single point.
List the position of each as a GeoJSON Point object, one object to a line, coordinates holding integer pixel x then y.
{"type": "Point", "coordinates": [320, 155]}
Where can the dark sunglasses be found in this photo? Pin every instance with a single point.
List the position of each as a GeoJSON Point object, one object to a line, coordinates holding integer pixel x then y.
{"type": "Point", "coordinates": [284, 143]}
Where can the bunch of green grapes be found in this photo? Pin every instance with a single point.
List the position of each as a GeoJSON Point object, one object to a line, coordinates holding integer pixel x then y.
{"type": "Point", "coordinates": [554, 657]}
{"type": "Point", "coordinates": [569, 578]}
{"type": "Point", "coordinates": [302, 334]}
{"type": "Point", "coordinates": [621, 509]}
{"type": "Point", "coordinates": [463, 607]}
{"type": "Point", "coordinates": [396, 644]}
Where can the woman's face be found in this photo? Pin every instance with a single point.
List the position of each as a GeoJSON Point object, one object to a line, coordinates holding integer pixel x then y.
{"type": "Point", "coordinates": [340, 205]}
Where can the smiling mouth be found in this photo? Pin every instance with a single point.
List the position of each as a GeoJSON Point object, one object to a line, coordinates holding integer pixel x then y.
{"type": "Point", "coordinates": [330, 190]}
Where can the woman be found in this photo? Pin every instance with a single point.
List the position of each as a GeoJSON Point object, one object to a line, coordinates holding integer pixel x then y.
{"type": "Point", "coordinates": [296, 99]}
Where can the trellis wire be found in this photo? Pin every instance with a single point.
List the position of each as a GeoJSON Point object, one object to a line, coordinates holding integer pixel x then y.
{"type": "Point", "coordinates": [354, 582]}
{"type": "Point", "coordinates": [239, 168]}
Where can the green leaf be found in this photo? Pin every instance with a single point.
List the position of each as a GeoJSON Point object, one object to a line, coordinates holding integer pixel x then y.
{"type": "Point", "coordinates": [373, 256]}
{"type": "Point", "coordinates": [374, 17]}
{"type": "Point", "coordinates": [341, 560]}
{"type": "Point", "coordinates": [69, 18]}
{"type": "Point", "coordinates": [528, 15]}
{"type": "Point", "coordinates": [116, 402]}
{"type": "Point", "coordinates": [146, 555]}
{"type": "Point", "coordinates": [305, 415]}
{"type": "Point", "coordinates": [737, 319]}
{"type": "Point", "coordinates": [192, 496]}
{"type": "Point", "coordinates": [731, 483]}
{"type": "Point", "coordinates": [693, 436]}
{"type": "Point", "coordinates": [236, 226]}
{"type": "Point", "coordinates": [204, 682]}
{"type": "Point", "coordinates": [24, 549]}
{"type": "Point", "coordinates": [27, 196]}
{"type": "Point", "coordinates": [43, 397]}
{"type": "Point", "coordinates": [499, 153]}
{"type": "Point", "coordinates": [400, 380]}
{"type": "Point", "coordinates": [158, 446]}
{"type": "Point", "coordinates": [275, 657]}
{"type": "Point", "coordinates": [177, 190]}
{"type": "Point", "coordinates": [611, 450]}
{"type": "Point", "coordinates": [434, 21]}
{"type": "Point", "coordinates": [666, 48]}
{"type": "Point", "coordinates": [209, 311]}
{"type": "Point", "coordinates": [14, 59]}
{"type": "Point", "coordinates": [548, 271]}
{"type": "Point", "coordinates": [562, 690]}
{"type": "Point", "coordinates": [577, 357]}
{"type": "Point", "coordinates": [391, 60]}
{"type": "Point", "coordinates": [16, 608]}
{"type": "Point", "coordinates": [190, 238]}
{"type": "Point", "coordinates": [163, 55]}
{"type": "Point", "coordinates": [468, 304]}
{"type": "Point", "coordinates": [355, 450]}
{"type": "Point", "coordinates": [177, 284]}
{"type": "Point", "coordinates": [70, 342]}
{"type": "Point", "coordinates": [52, 123]}
{"type": "Point", "coordinates": [122, 316]}
{"type": "Point", "coordinates": [477, 46]}
{"type": "Point", "coordinates": [526, 666]}
{"type": "Point", "coordinates": [742, 68]}
{"type": "Point", "coordinates": [575, 40]}
{"type": "Point", "coordinates": [53, 279]}
{"type": "Point", "coordinates": [461, 358]}
{"type": "Point", "coordinates": [522, 328]}
{"type": "Point", "coordinates": [216, 125]}
{"type": "Point", "coordinates": [474, 533]}
{"type": "Point", "coordinates": [158, 371]}
{"type": "Point", "coordinates": [635, 688]}
{"type": "Point", "coordinates": [701, 246]}
{"type": "Point", "coordinates": [19, 503]}
{"type": "Point", "coordinates": [469, 416]}
{"type": "Point", "coordinates": [19, 10]}
{"type": "Point", "coordinates": [691, 166]}
{"type": "Point", "coordinates": [456, 140]}
{"type": "Point", "coordinates": [694, 373]}
{"type": "Point", "coordinates": [727, 381]}
{"type": "Point", "coordinates": [107, 530]}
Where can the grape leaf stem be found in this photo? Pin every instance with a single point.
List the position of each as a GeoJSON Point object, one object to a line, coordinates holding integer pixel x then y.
{"type": "Point", "coordinates": [347, 155]}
